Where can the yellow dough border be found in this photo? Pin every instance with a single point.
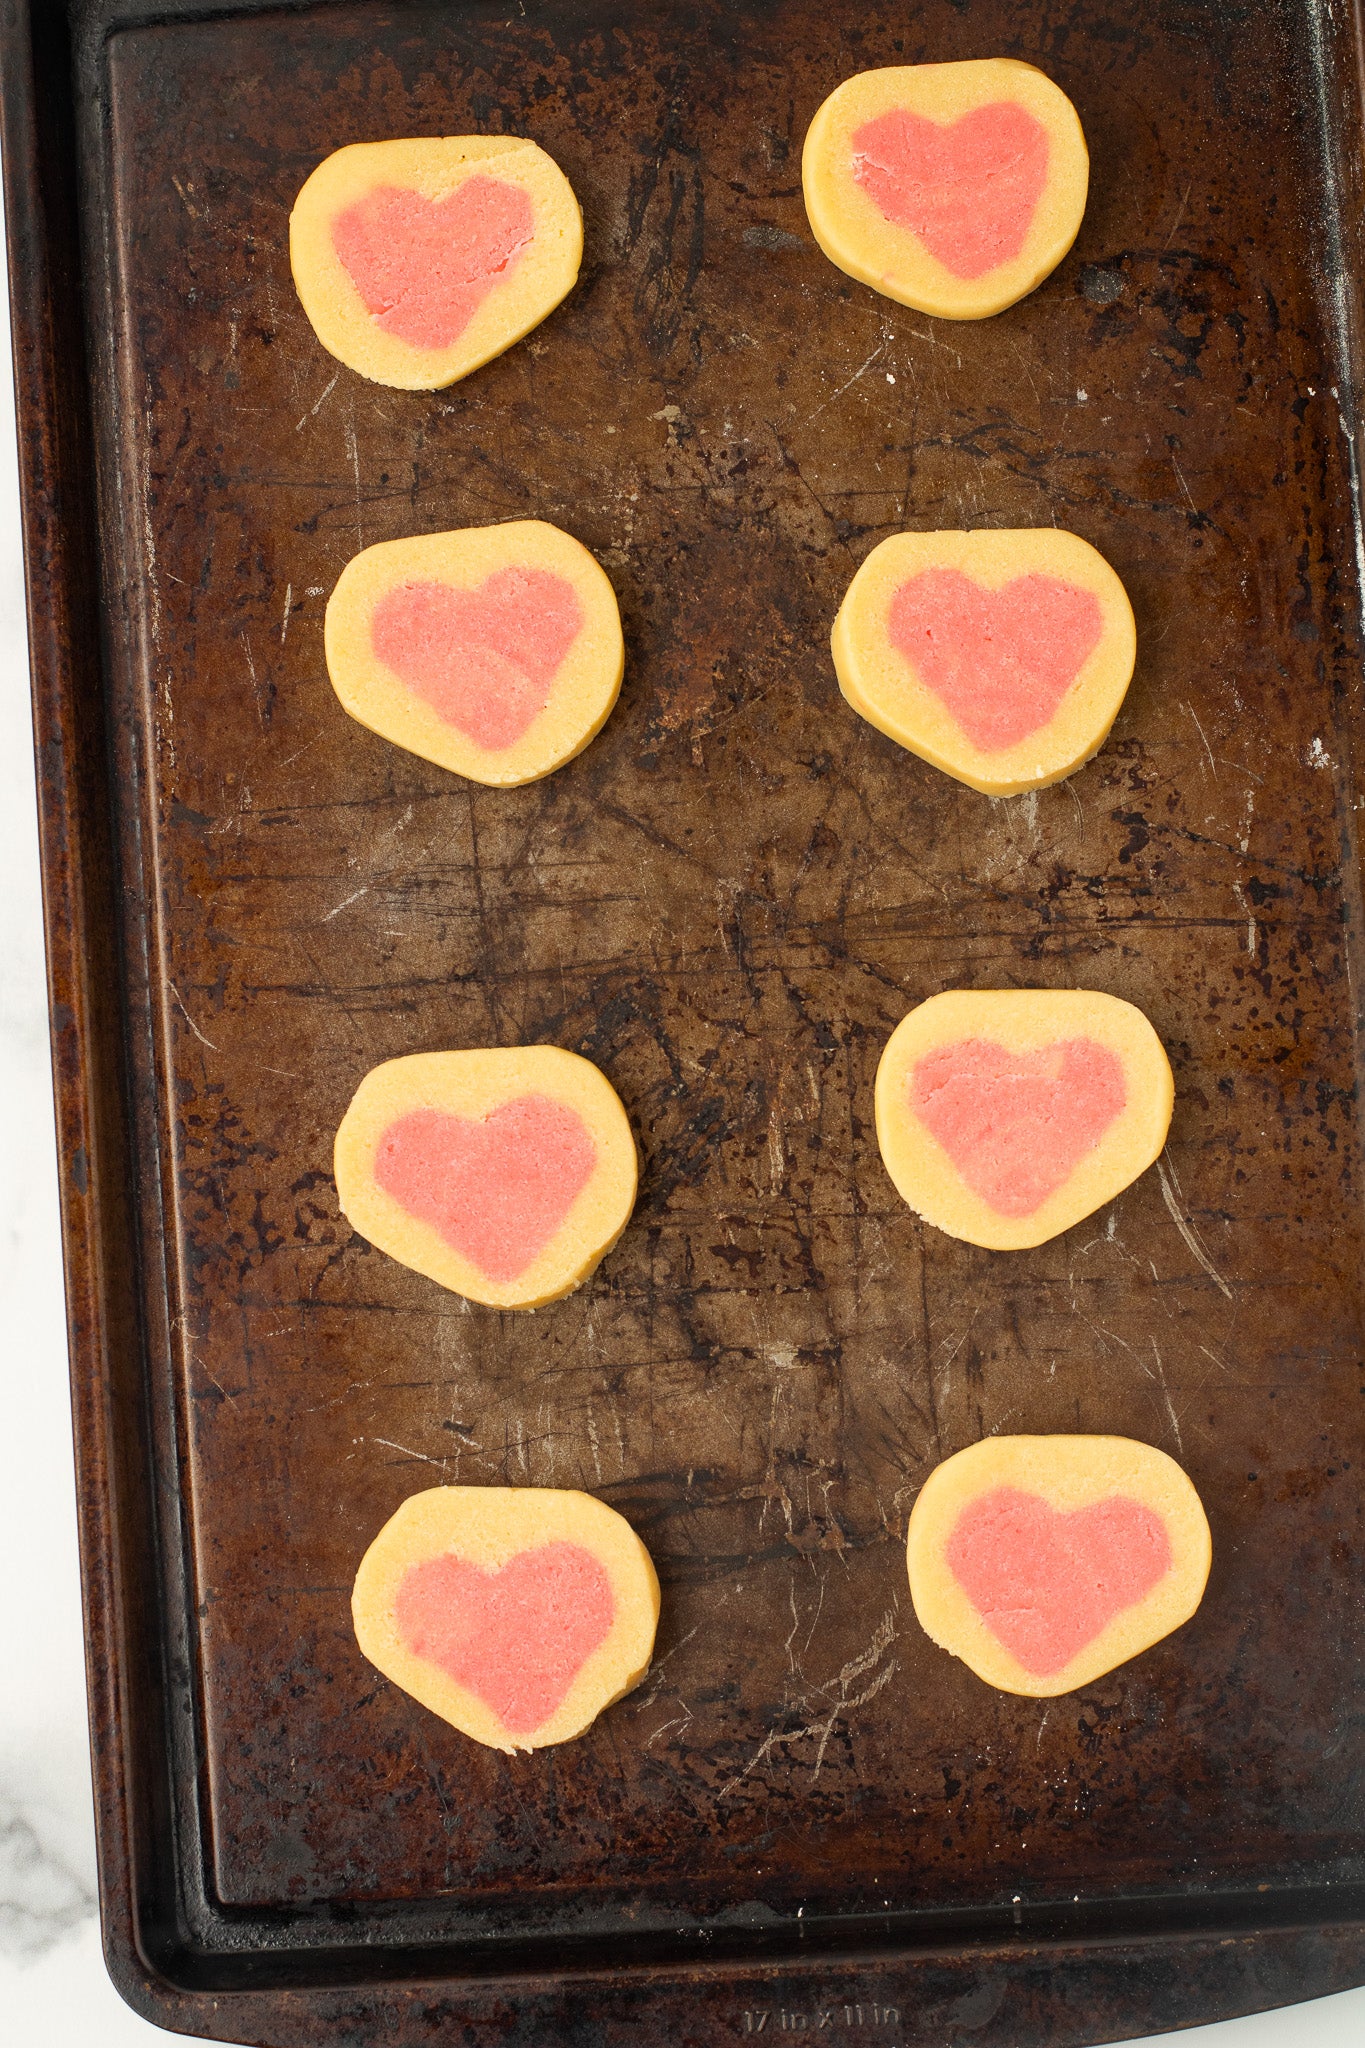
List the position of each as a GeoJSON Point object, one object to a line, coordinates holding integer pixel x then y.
{"type": "Point", "coordinates": [856, 235]}
{"type": "Point", "coordinates": [1023, 1020]}
{"type": "Point", "coordinates": [473, 1084]}
{"type": "Point", "coordinates": [881, 684]}
{"type": "Point", "coordinates": [1068, 1472]}
{"type": "Point", "coordinates": [582, 696]}
{"type": "Point", "coordinates": [489, 1525]}
{"type": "Point", "coordinates": [436, 166]}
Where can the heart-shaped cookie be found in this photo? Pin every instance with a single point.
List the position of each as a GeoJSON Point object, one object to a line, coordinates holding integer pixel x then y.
{"type": "Point", "coordinates": [1000, 660]}
{"type": "Point", "coordinates": [419, 259]}
{"type": "Point", "coordinates": [968, 188]}
{"type": "Point", "coordinates": [954, 188]}
{"type": "Point", "coordinates": [1017, 1124]}
{"type": "Point", "coordinates": [1001, 656]}
{"type": "Point", "coordinates": [1044, 1561]}
{"type": "Point", "coordinates": [503, 1173]}
{"type": "Point", "coordinates": [424, 266]}
{"type": "Point", "coordinates": [1047, 1583]}
{"type": "Point", "coordinates": [516, 1613]}
{"type": "Point", "coordinates": [484, 659]}
{"type": "Point", "coordinates": [518, 1637]}
{"type": "Point", "coordinates": [497, 1188]}
{"type": "Point", "coordinates": [1006, 1115]}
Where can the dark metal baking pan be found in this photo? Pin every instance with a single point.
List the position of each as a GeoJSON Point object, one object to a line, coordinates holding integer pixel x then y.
{"type": "Point", "coordinates": [808, 1818]}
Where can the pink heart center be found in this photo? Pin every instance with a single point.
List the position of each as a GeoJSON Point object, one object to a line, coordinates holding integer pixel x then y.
{"type": "Point", "coordinates": [497, 1188]}
{"type": "Point", "coordinates": [1017, 1124]}
{"type": "Point", "coordinates": [484, 659]}
{"type": "Point", "coordinates": [1045, 1583]}
{"type": "Point", "coordinates": [968, 191]}
{"type": "Point", "coordinates": [424, 266]}
{"type": "Point", "coordinates": [517, 1637]}
{"type": "Point", "coordinates": [1000, 660]}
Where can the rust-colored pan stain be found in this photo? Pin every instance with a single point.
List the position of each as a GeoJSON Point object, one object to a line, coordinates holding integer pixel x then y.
{"type": "Point", "coordinates": [727, 903]}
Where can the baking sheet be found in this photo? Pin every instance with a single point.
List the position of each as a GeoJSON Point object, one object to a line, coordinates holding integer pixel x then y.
{"type": "Point", "coordinates": [727, 903]}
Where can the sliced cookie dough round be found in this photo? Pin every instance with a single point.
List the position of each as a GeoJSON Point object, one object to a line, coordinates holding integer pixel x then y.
{"type": "Point", "coordinates": [495, 651]}
{"type": "Point", "coordinates": [955, 188]}
{"type": "Point", "coordinates": [1006, 1115]}
{"type": "Point", "coordinates": [505, 1175]}
{"type": "Point", "coordinates": [416, 261]}
{"type": "Point", "coordinates": [516, 1613]}
{"type": "Point", "coordinates": [1001, 657]}
{"type": "Point", "coordinates": [1044, 1561]}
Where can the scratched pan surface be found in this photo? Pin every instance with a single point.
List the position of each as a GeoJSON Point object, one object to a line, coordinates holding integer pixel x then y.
{"type": "Point", "coordinates": [728, 902]}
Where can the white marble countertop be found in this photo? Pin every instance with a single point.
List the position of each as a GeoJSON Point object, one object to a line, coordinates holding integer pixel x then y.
{"type": "Point", "coordinates": [53, 1989]}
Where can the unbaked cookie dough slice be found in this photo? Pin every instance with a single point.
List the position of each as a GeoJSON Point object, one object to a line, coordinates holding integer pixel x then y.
{"type": "Point", "coordinates": [416, 261]}
{"type": "Point", "coordinates": [506, 1175]}
{"type": "Point", "coordinates": [495, 651]}
{"type": "Point", "coordinates": [515, 1613]}
{"type": "Point", "coordinates": [1006, 1115]}
{"type": "Point", "coordinates": [1044, 1561]}
{"type": "Point", "coordinates": [955, 188]}
{"type": "Point", "coordinates": [1001, 657]}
